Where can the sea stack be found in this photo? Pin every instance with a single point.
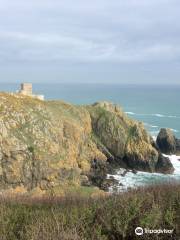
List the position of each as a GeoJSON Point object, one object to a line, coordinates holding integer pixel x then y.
{"type": "Point", "coordinates": [167, 142]}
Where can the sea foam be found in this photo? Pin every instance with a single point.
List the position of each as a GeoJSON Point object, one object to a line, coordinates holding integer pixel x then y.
{"type": "Point", "coordinates": [175, 160]}
{"type": "Point", "coordinates": [130, 113]}
{"type": "Point", "coordinates": [159, 115]}
{"type": "Point", "coordinates": [131, 180]}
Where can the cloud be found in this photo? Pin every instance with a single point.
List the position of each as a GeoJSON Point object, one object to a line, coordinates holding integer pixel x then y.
{"type": "Point", "coordinates": [116, 32]}
{"type": "Point", "coordinates": [49, 47]}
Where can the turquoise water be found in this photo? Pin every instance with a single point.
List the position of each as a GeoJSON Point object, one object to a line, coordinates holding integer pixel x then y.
{"type": "Point", "coordinates": [156, 106]}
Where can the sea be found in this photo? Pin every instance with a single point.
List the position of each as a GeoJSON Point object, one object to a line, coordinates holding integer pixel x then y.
{"type": "Point", "coordinates": [157, 106]}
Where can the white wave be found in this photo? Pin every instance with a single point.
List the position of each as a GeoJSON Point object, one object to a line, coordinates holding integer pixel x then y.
{"type": "Point", "coordinates": [172, 116]}
{"type": "Point", "coordinates": [165, 116]}
{"type": "Point", "coordinates": [131, 180]}
{"type": "Point", "coordinates": [175, 160]}
{"type": "Point", "coordinates": [174, 130]}
{"type": "Point", "coordinates": [153, 114]}
{"type": "Point", "coordinates": [130, 113]}
{"type": "Point", "coordinates": [151, 126]}
{"type": "Point", "coordinates": [158, 115]}
{"type": "Point", "coordinates": [154, 138]}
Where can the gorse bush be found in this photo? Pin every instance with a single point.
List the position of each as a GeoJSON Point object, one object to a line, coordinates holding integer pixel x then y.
{"type": "Point", "coordinates": [113, 217]}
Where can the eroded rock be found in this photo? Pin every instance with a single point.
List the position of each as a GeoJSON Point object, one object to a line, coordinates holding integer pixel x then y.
{"type": "Point", "coordinates": [166, 141]}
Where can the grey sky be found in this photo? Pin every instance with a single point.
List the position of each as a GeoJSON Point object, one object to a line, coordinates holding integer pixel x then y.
{"type": "Point", "coordinates": [120, 41]}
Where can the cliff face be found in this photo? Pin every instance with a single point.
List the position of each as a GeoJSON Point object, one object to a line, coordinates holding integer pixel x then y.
{"type": "Point", "coordinates": [124, 139]}
{"type": "Point", "coordinates": [46, 144]}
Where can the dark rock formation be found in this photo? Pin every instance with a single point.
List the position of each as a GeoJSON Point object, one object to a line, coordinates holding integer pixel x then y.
{"type": "Point", "coordinates": [167, 142]}
{"type": "Point", "coordinates": [177, 146]}
{"type": "Point", "coordinates": [98, 173]}
{"type": "Point", "coordinates": [107, 183]}
{"type": "Point", "coordinates": [164, 165]}
{"type": "Point", "coordinates": [134, 171]}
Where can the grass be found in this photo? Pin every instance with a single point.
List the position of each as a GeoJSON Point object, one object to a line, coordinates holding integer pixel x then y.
{"type": "Point", "coordinates": [71, 190]}
{"type": "Point", "coordinates": [77, 217]}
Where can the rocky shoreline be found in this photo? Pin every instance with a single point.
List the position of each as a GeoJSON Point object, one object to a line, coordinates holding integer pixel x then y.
{"type": "Point", "coordinates": [49, 144]}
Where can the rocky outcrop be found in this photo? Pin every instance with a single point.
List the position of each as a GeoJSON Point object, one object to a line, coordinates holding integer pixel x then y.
{"type": "Point", "coordinates": [167, 142]}
{"type": "Point", "coordinates": [49, 144]}
{"type": "Point", "coordinates": [44, 144]}
{"type": "Point", "coordinates": [164, 165]}
{"type": "Point", "coordinates": [124, 139]}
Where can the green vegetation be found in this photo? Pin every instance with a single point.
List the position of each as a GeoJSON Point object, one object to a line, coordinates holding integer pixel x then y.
{"type": "Point", "coordinates": [78, 217]}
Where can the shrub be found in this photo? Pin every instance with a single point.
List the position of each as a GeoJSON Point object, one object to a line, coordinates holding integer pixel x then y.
{"type": "Point", "coordinates": [114, 217]}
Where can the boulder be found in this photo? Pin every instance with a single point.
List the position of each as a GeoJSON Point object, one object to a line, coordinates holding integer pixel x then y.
{"type": "Point", "coordinates": [134, 171]}
{"type": "Point", "coordinates": [166, 141]}
{"type": "Point", "coordinates": [107, 183]}
{"type": "Point", "coordinates": [164, 165]}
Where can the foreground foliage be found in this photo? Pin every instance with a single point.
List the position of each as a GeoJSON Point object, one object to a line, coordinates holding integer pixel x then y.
{"type": "Point", "coordinates": [79, 218]}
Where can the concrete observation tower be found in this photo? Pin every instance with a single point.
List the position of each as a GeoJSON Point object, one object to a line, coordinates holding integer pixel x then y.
{"type": "Point", "coordinates": [26, 89]}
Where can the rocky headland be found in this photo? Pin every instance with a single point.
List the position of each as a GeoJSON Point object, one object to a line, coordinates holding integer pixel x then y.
{"type": "Point", "coordinates": [47, 145]}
